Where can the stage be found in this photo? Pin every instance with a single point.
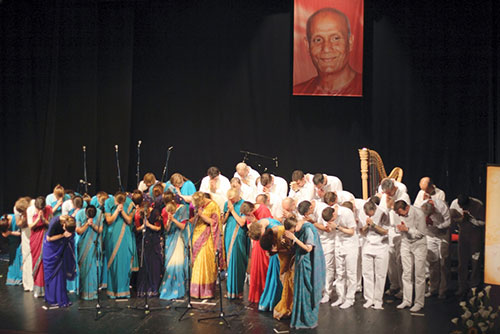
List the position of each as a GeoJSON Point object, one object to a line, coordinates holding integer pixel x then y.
{"type": "Point", "coordinates": [22, 313]}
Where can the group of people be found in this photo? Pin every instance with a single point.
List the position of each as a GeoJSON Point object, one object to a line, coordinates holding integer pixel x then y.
{"type": "Point", "coordinates": [295, 244]}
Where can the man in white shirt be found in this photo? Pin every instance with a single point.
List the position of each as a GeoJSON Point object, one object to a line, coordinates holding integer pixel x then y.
{"type": "Point", "coordinates": [393, 191]}
{"type": "Point", "coordinates": [437, 219]}
{"type": "Point", "coordinates": [271, 184]}
{"type": "Point", "coordinates": [346, 253]}
{"type": "Point", "coordinates": [286, 209]}
{"type": "Point", "coordinates": [375, 226]}
{"type": "Point", "coordinates": [413, 231]}
{"type": "Point", "coordinates": [428, 191]}
{"type": "Point", "coordinates": [324, 183]}
{"type": "Point", "coordinates": [300, 189]}
{"type": "Point", "coordinates": [216, 185]}
{"type": "Point", "coordinates": [246, 174]}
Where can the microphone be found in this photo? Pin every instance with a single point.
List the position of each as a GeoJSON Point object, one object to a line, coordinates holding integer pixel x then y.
{"type": "Point", "coordinates": [87, 183]}
{"type": "Point", "coordinates": [139, 143]}
{"type": "Point", "coordinates": [116, 148]}
{"type": "Point", "coordinates": [276, 161]}
{"type": "Point", "coordinates": [170, 148]}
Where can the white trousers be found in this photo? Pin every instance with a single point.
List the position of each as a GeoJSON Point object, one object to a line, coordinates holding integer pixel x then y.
{"type": "Point", "coordinates": [27, 262]}
{"type": "Point", "coordinates": [329, 251]}
{"type": "Point", "coordinates": [437, 258]}
{"type": "Point", "coordinates": [413, 257]}
{"type": "Point", "coordinates": [346, 264]}
{"type": "Point", "coordinates": [375, 263]}
{"type": "Point", "coordinates": [395, 270]}
{"type": "Point", "coordinates": [359, 272]}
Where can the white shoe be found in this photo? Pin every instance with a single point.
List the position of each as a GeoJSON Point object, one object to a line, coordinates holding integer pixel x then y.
{"type": "Point", "coordinates": [368, 304]}
{"type": "Point", "coordinates": [399, 295]}
{"type": "Point", "coordinates": [416, 308]}
{"type": "Point", "coordinates": [337, 302]}
{"type": "Point", "coordinates": [403, 305]}
{"type": "Point", "coordinates": [377, 306]}
{"type": "Point", "coordinates": [325, 299]}
{"type": "Point", "coordinates": [346, 304]}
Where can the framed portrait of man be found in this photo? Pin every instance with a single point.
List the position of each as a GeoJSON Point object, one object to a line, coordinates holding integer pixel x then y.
{"type": "Point", "coordinates": [328, 47]}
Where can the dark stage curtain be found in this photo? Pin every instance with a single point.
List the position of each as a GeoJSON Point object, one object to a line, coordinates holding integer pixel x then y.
{"type": "Point", "coordinates": [212, 78]}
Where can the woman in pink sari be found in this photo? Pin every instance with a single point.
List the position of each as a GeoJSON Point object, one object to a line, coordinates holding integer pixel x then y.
{"type": "Point", "coordinates": [38, 227]}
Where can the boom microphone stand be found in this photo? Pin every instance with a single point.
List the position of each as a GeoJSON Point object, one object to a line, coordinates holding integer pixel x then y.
{"type": "Point", "coordinates": [265, 157]}
{"type": "Point", "coordinates": [165, 169]}
{"type": "Point", "coordinates": [221, 315]}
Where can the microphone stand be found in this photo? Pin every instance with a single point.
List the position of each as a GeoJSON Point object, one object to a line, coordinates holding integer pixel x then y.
{"type": "Point", "coordinates": [221, 315]}
{"type": "Point", "coordinates": [187, 281]}
{"type": "Point", "coordinates": [98, 255]}
{"type": "Point", "coordinates": [164, 174]}
{"type": "Point", "coordinates": [85, 169]}
{"type": "Point", "coordinates": [138, 174]}
{"type": "Point", "coordinates": [144, 264]}
{"type": "Point", "coordinates": [120, 186]}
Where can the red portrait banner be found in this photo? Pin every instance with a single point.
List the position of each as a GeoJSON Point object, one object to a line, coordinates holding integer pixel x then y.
{"type": "Point", "coordinates": [328, 47]}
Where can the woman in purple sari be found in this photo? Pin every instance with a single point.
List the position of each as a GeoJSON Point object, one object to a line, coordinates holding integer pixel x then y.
{"type": "Point", "coordinates": [59, 259]}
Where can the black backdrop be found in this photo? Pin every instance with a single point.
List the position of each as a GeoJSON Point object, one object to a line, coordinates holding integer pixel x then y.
{"type": "Point", "coordinates": [212, 78]}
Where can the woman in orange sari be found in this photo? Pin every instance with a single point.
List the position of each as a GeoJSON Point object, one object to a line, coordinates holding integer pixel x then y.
{"type": "Point", "coordinates": [273, 241]}
{"type": "Point", "coordinates": [207, 239]}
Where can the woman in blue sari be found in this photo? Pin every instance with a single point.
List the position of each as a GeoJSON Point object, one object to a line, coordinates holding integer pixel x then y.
{"type": "Point", "coordinates": [309, 278]}
{"type": "Point", "coordinates": [178, 234]}
{"type": "Point", "coordinates": [12, 232]}
{"type": "Point", "coordinates": [236, 245]}
{"type": "Point", "coordinates": [180, 185]}
{"type": "Point", "coordinates": [273, 288]}
{"type": "Point", "coordinates": [58, 259]}
{"type": "Point", "coordinates": [89, 227]}
{"type": "Point", "coordinates": [119, 245]}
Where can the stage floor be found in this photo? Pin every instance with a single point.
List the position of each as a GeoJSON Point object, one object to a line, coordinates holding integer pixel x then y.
{"type": "Point", "coordinates": [20, 312]}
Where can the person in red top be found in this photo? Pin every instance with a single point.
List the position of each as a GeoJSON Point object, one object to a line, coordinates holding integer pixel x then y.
{"type": "Point", "coordinates": [38, 229]}
{"type": "Point", "coordinates": [330, 41]}
{"type": "Point", "coordinates": [259, 259]}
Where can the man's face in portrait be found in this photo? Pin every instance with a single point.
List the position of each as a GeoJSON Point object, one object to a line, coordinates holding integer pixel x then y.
{"type": "Point", "coordinates": [329, 43]}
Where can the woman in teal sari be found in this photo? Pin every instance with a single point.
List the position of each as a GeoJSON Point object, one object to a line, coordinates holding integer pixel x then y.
{"type": "Point", "coordinates": [178, 232]}
{"type": "Point", "coordinates": [78, 205]}
{"type": "Point", "coordinates": [236, 245]}
{"type": "Point", "coordinates": [99, 201]}
{"type": "Point", "coordinates": [120, 248]}
{"type": "Point", "coordinates": [12, 232]}
{"type": "Point", "coordinates": [89, 226]}
{"type": "Point", "coordinates": [309, 278]}
{"type": "Point", "coordinates": [273, 288]}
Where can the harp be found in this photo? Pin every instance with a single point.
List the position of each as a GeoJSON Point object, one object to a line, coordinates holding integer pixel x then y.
{"type": "Point", "coordinates": [373, 171]}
